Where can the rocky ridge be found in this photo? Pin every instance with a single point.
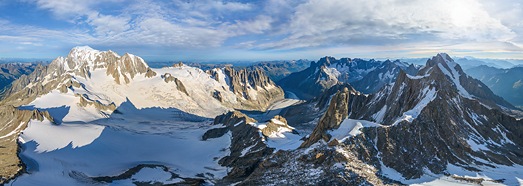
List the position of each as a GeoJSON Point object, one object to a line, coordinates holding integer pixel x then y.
{"type": "Point", "coordinates": [255, 90]}
{"type": "Point", "coordinates": [366, 76]}
{"type": "Point", "coordinates": [424, 131]}
{"type": "Point", "coordinates": [244, 136]}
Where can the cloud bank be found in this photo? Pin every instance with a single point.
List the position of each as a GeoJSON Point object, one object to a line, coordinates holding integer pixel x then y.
{"type": "Point", "coordinates": [272, 28]}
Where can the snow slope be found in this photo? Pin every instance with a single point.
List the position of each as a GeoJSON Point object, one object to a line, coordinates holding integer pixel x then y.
{"type": "Point", "coordinates": [349, 128]}
{"type": "Point", "coordinates": [109, 147]}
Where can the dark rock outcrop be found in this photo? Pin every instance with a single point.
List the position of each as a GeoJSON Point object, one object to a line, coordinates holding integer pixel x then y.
{"type": "Point", "coordinates": [167, 77]}
{"type": "Point", "coordinates": [85, 101]}
{"type": "Point", "coordinates": [315, 166]}
{"type": "Point", "coordinates": [275, 125]}
{"type": "Point", "coordinates": [247, 146]}
{"type": "Point", "coordinates": [11, 164]}
{"type": "Point", "coordinates": [180, 87]}
{"type": "Point", "coordinates": [336, 113]}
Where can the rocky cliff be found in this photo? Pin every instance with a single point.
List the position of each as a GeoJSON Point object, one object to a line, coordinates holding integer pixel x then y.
{"type": "Point", "coordinates": [254, 89]}
{"type": "Point", "coordinates": [428, 121]}
{"type": "Point", "coordinates": [247, 145]}
{"type": "Point", "coordinates": [13, 121]}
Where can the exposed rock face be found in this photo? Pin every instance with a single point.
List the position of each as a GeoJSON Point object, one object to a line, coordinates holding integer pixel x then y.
{"type": "Point", "coordinates": [434, 121]}
{"type": "Point", "coordinates": [383, 75]}
{"type": "Point", "coordinates": [68, 84]}
{"type": "Point", "coordinates": [275, 125]}
{"type": "Point", "coordinates": [10, 164]}
{"type": "Point", "coordinates": [150, 73]}
{"type": "Point", "coordinates": [244, 80]}
{"type": "Point", "coordinates": [85, 101]}
{"type": "Point", "coordinates": [367, 76]}
{"type": "Point", "coordinates": [83, 60]}
{"type": "Point", "coordinates": [441, 78]}
{"type": "Point", "coordinates": [336, 113]}
{"type": "Point", "coordinates": [179, 64]}
{"type": "Point", "coordinates": [217, 95]}
{"type": "Point", "coordinates": [130, 173]}
{"type": "Point", "coordinates": [180, 87]}
{"type": "Point", "coordinates": [315, 166]}
{"type": "Point", "coordinates": [167, 77]}
{"type": "Point", "coordinates": [241, 79]}
{"type": "Point", "coordinates": [243, 136]}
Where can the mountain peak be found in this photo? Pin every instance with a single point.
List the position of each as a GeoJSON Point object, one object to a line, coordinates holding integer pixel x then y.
{"type": "Point", "coordinates": [440, 58]}
{"type": "Point", "coordinates": [82, 60]}
{"type": "Point", "coordinates": [85, 47]}
{"type": "Point", "coordinates": [444, 56]}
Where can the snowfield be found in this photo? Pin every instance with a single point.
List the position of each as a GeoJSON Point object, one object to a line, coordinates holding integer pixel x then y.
{"type": "Point", "coordinates": [102, 148]}
{"type": "Point", "coordinates": [349, 128]}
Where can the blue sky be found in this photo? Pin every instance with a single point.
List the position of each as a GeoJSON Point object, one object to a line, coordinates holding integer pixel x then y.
{"type": "Point", "coordinates": [211, 30]}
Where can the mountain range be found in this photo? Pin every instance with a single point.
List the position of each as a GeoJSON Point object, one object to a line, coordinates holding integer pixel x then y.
{"type": "Point", "coordinates": [101, 118]}
{"type": "Point", "coordinates": [506, 83]}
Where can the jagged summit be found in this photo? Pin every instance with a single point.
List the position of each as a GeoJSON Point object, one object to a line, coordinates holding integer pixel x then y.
{"type": "Point", "coordinates": [441, 80]}
{"type": "Point", "coordinates": [447, 73]}
{"type": "Point", "coordinates": [428, 118]}
{"type": "Point", "coordinates": [367, 76]}
{"type": "Point", "coordinates": [83, 60]}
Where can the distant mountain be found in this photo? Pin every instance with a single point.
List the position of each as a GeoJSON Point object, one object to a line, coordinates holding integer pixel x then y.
{"type": "Point", "coordinates": [507, 83]}
{"type": "Point", "coordinates": [367, 76]}
{"type": "Point", "coordinates": [278, 70]}
{"type": "Point", "coordinates": [470, 62]}
{"type": "Point", "coordinates": [12, 71]}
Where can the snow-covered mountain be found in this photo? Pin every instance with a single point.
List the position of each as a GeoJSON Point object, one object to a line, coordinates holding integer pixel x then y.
{"type": "Point", "coordinates": [366, 76]}
{"type": "Point", "coordinates": [439, 122]}
{"type": "Point", "coordinates": [94, 98]}
{"type": "Point", "coordinates": [105, 77]}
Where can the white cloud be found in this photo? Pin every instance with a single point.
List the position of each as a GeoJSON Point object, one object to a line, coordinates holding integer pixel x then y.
{"type": "Point", "coordinates": [80, 11]}
{"type": "Point", "coordinates": [258, 25]}
{"type": "Point", "coordinates": [208, 5]}
{"type": "Point", "coordinates": [509, 12]}
{"type": "Point", "coordinates": [342, 22]}
{"type": "Point", "coordinates": [280, 25]}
